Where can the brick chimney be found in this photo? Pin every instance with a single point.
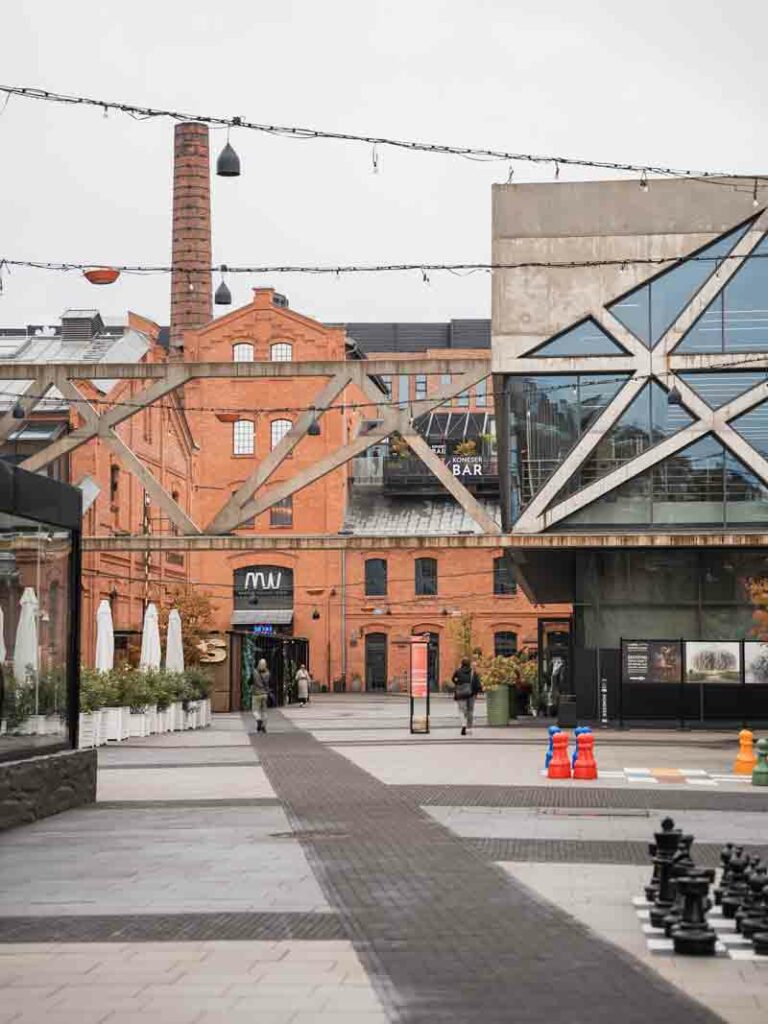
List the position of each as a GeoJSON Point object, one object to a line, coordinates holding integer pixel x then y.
{"type": "Point", "coordinates": [191, 244]}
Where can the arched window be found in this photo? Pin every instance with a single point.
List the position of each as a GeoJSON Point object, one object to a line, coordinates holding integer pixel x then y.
{"type": "Point", "coordinates": [243, 437]}
{"type": "Point", "coordinates": [242, 352]}
{"type": "Point", "coordinates": [277, 431]}
{"type": "Point", "coordinates": [376, 577]}
{"type": "Point", "coordinates": [281, 352]}
{"type": "Point", "coordinates": [504, 644]}
{"type": "Point", "coordinates": [426, 577]}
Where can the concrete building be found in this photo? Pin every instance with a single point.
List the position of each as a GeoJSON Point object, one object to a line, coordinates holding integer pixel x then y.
{"type": "Point", "coordinates": [633, 423]}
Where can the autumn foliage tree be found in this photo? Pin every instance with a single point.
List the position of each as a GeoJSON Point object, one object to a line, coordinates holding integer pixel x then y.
{"type": "Point", "coordinates": [757, 591]}
{"type": "Point", "coordinates": [196, 610]}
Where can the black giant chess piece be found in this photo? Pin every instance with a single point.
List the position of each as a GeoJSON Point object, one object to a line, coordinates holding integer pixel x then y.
{"type": "Point", "coordinates": [666, 845]}
{"type": "Point", "coordinates": [725, 859]}
{"type": "Point", "coordinates": [757, 919]}
{"type": "Point", "coordinates": [736, 890]}
{"type": "Point", "coordinates": [693, 936]}
{"type": "Point", "coordinates": [760, 942]}
{"type": "Point", "coordinates": [652, 888]}
{"type": "Point", "coordinates": [675, 916]}
{"type": "Point", "coordinates": [756, 879]}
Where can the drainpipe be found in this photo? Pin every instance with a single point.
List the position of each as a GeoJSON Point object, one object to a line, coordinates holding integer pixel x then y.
{"type": "Point", "coordinates": [343, 613]}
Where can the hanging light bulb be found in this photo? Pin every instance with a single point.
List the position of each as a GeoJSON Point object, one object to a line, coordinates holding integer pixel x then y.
{"type": "Point", "coordinates": [314, 427]}
{"type": "Point", "coordinates": [315, 614]}
{"type": "Point", "coordinates": [228, 163]}
{"type": "Point", "coordinates": [223, 296]}
{"type": "Point", "coordinates": [18, 411]}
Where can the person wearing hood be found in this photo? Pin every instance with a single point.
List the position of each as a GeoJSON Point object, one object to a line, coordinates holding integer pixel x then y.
{"type": "Point", "coordinates": [466, 686]}
{"type": "Point", "coordinates": [260, 695]}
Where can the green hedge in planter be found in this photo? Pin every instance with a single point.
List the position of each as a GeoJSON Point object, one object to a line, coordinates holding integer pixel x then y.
{"type": "Point", "coordinates": [128, 687]}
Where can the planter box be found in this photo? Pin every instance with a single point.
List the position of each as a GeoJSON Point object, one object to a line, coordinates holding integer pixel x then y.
{"type": "Point", "coordinates": [208, 711]}
{"type": "Point", "coordinates": [191, 715]}
{"type": "Point", "coordinates": [164, 720]}
{"type": "Point", "coordinates": [138, 724]}
{"type": "Point", "coordinates": [100, 728]}
{"type": "Point", "coordinates": [86, 732]}
{"type": "Point", "coordinates": [152, 724]}
{"type": "Point", "coordinates": [54, 725]}
{"type": "Point", "coordinates": [177, 716]}
{"type": "Point", "coordinates": [3, 727]}
{"type": "Point", "coordinates": [497, 706]}
{"type": "Point", "coordinates": [114, 726]}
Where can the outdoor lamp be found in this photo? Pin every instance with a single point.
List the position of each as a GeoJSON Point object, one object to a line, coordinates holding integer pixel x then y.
{"type": "Point", "coordinates": [228, 163]}
{"type": "Point", "coordinates": [223, 296]}
{"type": "Point", "coordinates": [673, 398]}
{"type": "Point", "coordinates": [315, 614]}
{"type": "Point", "coordinates": [18, 411]}
{"type": "Point", "coordinates": [314, 427]}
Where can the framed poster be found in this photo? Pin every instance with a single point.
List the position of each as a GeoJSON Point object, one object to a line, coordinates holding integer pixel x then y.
{"type": "Point", "coordinates": [713, 661]}
{"type": "Point", "coordinates": [651, 661]}
{"type": "Point", "coordinates": [755, 662]}
{"type": "Point", "coordinates": [419, 683]}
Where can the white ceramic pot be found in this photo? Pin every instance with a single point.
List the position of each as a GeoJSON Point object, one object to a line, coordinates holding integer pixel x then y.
{"type": "Point", "coordinates": [178, 716]}
{"type": "Point", "coordinates": [112, 724]}
{"type": "Point", "coordinates": [151, 714]}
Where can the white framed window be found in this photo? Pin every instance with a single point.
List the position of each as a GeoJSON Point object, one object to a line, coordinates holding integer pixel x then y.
{"type": "Point", "coordinates": [277, 431]}
{"type": "Point", "coordinates": [281, 352]}
{"type": "Point", "coordinates": [243, 437]}
{"type": "Point", "coordinates": [242, 352]}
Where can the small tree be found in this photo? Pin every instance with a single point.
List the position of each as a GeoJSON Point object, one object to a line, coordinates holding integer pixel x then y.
{"type": "Point", "coordinates": [461, 631]}
{"type": "Point", "coordinates": [196, 610]}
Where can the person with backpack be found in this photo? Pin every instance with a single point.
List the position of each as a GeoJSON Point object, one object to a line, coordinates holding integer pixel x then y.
{"type": "Point", "coordinates": [466, 686]}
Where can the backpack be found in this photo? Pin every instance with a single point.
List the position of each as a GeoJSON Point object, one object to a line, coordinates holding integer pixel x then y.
{"type": "Point", "coordinates": [463, 685]}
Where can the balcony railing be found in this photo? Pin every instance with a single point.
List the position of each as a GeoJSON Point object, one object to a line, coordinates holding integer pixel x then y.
{"type": "Point", "coordinates": [409, 475]}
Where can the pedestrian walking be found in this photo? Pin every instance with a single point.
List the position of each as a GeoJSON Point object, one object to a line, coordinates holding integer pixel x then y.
{"type": "Point", "coordinates": [466, 686]}
{"type": "Point", "coordinates": [260, 695]}
{"type": "Point", "coordinates": [302, 679]}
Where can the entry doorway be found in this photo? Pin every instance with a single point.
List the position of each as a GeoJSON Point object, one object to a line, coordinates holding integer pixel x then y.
{"type": "Point", "coordinates": [376, 661]}
{"type": "Point", "coordinates": [555, 662]}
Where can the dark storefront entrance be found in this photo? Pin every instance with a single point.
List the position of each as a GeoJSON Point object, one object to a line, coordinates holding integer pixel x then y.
{"type": "Point", "coordinates": [376, 661]}
{"type": "Point", "coordinates": [283, 656]}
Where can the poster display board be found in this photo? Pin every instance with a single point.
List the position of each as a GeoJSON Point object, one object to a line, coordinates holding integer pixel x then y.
{"type": "Point", "coordinates": [651, 661]}
{"type": "Point", "coordinates": [419, 688]}
{"type": "Point", "coordinates": [755, 663]}
{"type": "Point", "coordinates": [713, 661]}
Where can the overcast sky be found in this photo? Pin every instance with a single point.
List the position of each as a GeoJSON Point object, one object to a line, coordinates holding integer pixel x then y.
{"type": "Point", "coordinates": [658, 82]}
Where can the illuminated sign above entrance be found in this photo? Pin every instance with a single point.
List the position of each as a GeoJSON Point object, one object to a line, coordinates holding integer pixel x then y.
{"type": "Point", "coordinates": [264, 587]}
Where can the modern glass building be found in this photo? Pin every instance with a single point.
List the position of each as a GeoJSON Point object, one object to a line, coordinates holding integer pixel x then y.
{"type": "Point", "coordinates": [633, 438]}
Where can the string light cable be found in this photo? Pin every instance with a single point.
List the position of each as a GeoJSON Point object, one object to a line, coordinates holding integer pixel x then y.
{"type": "Point", "coordinates": [375, 268]}
{"type": "Point", "coordinates": [299, 132]}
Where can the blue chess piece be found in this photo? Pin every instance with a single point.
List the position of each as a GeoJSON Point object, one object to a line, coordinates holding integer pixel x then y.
{"type": "Point", "coordinates": [550, 749]}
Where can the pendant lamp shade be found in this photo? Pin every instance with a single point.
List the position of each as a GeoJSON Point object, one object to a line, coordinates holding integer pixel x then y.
{"type": "Point", "coordinates": [228, 163]}
{"type": "Point", "coordinates": [673, 398]}
{"type": "Point", "coordinates": [223, 296]}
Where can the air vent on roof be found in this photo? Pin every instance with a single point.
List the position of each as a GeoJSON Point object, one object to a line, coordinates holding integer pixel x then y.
{"type": "Point", "coordinates": [81, 324]}
{"type": "Point", "coordinates": [280, 300]}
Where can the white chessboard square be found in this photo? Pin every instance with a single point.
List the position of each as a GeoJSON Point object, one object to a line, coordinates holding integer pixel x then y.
{"type": "Point", "coordinates": [637, 771]}
{"type": "Point", "coordinates": [640, 902]}
{"type": "Point", "coordinates": [660, 945]}
{"type": "Point", "coordinates": [701, 782]}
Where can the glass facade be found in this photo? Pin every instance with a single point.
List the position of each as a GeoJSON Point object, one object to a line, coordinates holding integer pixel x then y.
{"type": "Point", "coordinates": [691, 594]}
{"type": "Point", "coordinates": [35, 658]}
{"type": "Point", "coordinates": [585, 339]}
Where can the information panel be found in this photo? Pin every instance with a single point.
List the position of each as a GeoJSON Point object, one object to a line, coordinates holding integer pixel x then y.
{"type": "Point", "coordinates": [651, 661]}
{"type": "Point", "coordinates": [713, 661]}
{"type": "Point", "coordinates": [755, 662]}
{"type": "Point", "coordinates": [419, 684]}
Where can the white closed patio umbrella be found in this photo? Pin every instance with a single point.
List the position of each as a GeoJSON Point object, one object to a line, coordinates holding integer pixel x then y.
{"type": "Point", "coordinates": [174, 648]}
{"type": "Point", "coordinates": [150, 640]}
{"type": "Point", "coordinates": [25, 651]}
{"type": "Point", "coordinates": [105, 638]}
{"type": "Point", "coordinates": [3, 651]}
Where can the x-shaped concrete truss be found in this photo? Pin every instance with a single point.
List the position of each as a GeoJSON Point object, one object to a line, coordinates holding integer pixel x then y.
{"type": "Point", "coordinates": [251, 499]}
{"type": "Point", "coordinates": [660, 363]}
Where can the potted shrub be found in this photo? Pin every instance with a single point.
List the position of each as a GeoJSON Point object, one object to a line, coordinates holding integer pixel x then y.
{"type": "Point", "coordinates": [198, 687]}
{"type": "Point", "coordinates": [137, 694]}
{"type": "Point", "coordinates": [93, 694]}
{"type": "Point", "coordinates": [526, 687]}
{"type": "Point", "coordinates": [497, 675]}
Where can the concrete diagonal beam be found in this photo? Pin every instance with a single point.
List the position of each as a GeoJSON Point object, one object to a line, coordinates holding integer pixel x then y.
{"type": "Point", "coordinates": [28, 401]}
{"type": "Point", "coordinates": [150, 484]}
{"type": "Point", "coordinates": [176, 376]}
{"type": "Point", "coordinates": [231, 515]}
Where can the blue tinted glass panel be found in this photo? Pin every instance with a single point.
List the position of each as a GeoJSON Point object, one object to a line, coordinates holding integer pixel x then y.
{"type": "Point", "coordinates": [652, 309]}
{"type": "Point", "coordinates": [586, 339]}
{"type": "Point", "coordinates": [688, 486]}
{"type": "Point", "coordinates": [706, 335]}
{"type": "Point", "coordinates": [746, 495]}
{"type": "Point", "coordinates": [745, 305]}
{"type": "Point", "coordinates": [646, 421]}
{"type": "Point", "coordinates": [548, 415]}
{"type": "Point", "coordinates": [720, 388]}
{"type": "Point", "coordinates": [753, 427]}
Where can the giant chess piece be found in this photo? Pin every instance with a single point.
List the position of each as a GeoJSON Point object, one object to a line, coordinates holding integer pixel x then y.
{"type": "Point", "coordinates": [693, 936]}
{"type": "Point", "coordinates": [725, 859]}
{"type": "Point", "coordinates": [666, 846]}
{"type": "Point", "coordinates": [682, 865]}
{"type": "Point", "coordinates": [757, 919]}
{"type": "Point", "coordinates": [736, 891]}
{"type": "Point", "coordinates": [675, 916]}
{"type": "Point", "coordinates": [653, 886]}
{"type": "Point", "coordinates": [756, 880]}
{"type": "Point", "coordinates": [760, 942]}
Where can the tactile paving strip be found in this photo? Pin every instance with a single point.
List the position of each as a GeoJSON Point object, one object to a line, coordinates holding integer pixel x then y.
{"type": "Point", "coordinates": [273, 927]}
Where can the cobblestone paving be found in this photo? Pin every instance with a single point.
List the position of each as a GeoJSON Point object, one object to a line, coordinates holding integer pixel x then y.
{"type": "Point", "coordinates": [447, 936]}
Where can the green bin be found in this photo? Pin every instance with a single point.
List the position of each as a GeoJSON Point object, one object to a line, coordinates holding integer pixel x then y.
{"type": "Point", "coordinates": [497, 705]}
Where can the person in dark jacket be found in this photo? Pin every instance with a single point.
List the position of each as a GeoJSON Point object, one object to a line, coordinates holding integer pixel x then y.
{"type": "Point", "coordinates": [466, 686]}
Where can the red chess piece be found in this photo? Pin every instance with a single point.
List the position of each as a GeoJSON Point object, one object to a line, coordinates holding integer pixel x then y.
{"type": "Point", "coordinates": [586, 766]}
{"type": "Point", "coordinates": [560, 765]}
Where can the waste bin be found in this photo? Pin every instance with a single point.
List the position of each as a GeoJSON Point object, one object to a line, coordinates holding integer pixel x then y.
{"type": "Point", "coordinates": [497, 705]}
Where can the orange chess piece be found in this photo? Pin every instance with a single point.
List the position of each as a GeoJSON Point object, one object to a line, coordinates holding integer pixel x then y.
{"type": "Point", "coordinates": [559, 766]}
{"type": "Point", "coordinates": [746, 759]}
{"type": "Point", "coordinates": [586, 766]}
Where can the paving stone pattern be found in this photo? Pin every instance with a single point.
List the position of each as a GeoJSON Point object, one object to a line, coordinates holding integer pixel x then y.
{"type": "Point", "coordinates": [588, 796]}
{"type": "Point", "coordinates": [445, 935]}
{"type": "Point", "coordinates": [578, 851]}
